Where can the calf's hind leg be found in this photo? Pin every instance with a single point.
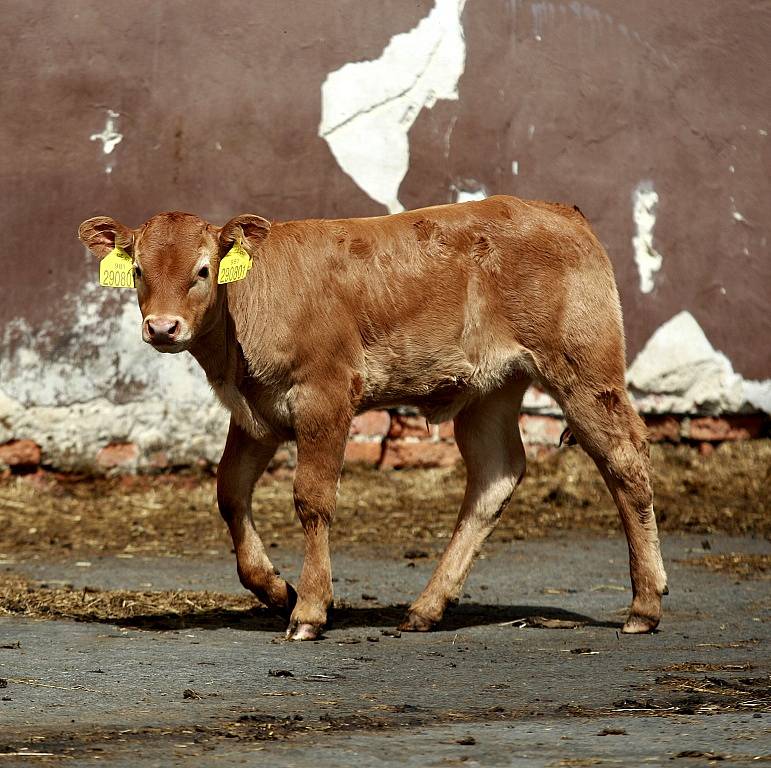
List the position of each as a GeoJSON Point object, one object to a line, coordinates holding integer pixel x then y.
{"type": "Point", "coordinates": [242, 463]}
{"type": "Point", "coordinates": [611, 432]}
{"type": "Point", "coordinates": [487, 433]}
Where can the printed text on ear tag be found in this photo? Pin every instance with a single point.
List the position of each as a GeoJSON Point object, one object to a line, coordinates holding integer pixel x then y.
{"type": "Point", "coordinates": [116, 269]}
{"type": "Point", "coordinates": [235, 265]}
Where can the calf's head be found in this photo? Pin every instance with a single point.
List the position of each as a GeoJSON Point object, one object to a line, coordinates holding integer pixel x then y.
{"type": "Point", "coordinates": [175, 258]}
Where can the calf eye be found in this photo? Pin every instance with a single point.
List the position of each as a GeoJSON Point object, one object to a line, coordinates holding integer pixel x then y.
{"type": "Point", "coordinates": [137, 272]}
{"type": "Point", "coordinates": [203, 273]}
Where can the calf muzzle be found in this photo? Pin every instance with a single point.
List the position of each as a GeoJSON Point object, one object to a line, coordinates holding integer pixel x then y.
{"type": "Point", "coordinates": [164, 330]}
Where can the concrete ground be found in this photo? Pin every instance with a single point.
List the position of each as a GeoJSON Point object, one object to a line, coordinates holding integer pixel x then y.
{"type": "Point", "coordinates": [530, 668]}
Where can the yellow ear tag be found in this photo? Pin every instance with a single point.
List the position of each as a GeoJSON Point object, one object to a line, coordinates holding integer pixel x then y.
{"type": "Point", "coordinates": [116, 269]}
{"type": "Point", "coordinates": [234, 266]}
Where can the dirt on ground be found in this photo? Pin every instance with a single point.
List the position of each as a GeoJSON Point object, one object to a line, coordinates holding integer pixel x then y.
{"type": "Point", "coordinates": [61, 516]}
{"type": "Point", "coordinates": [153, 655]}
{"type": "Point", "coordinates": [521, 673]}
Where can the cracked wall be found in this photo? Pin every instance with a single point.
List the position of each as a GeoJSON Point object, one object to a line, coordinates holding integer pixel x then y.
{"type": "Point", "coordinates": [368, 107]}
{"type": "Point", "coordinates": [358, 109]}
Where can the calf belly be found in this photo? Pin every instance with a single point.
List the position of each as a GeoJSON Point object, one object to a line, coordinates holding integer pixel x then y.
{"type": "Point", "coordinates": [440, 385]}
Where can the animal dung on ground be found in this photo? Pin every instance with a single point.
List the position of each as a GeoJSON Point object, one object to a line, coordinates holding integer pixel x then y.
{"type": "Point", "coordinates": [280, 673]}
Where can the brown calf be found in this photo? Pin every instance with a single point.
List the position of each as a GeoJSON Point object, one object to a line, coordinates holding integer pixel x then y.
{"type": "Point", "coordinates": [454, 309]}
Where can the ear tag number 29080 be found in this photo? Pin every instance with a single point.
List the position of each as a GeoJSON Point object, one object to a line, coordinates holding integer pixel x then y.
{"type": "Point", "coordinates": [234, 266]}
{"type": "Point", "coordinates": [116, 269]}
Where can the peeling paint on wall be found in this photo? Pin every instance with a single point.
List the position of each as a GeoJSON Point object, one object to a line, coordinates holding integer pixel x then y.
{"type": "Point", "coordinates": [98, 382]}
{"type": "Point", "coordinates": [368, 108]}
{"type": "Point", "coordinates": [679, 371]}
{"type": "Point", "coordinates": [109, 136]}
{"type": "Point", "coordinates": [648, 259]}
{"type": "Point", "coordinates": [73, 384]}
{"type": "Point", "coordinates": [737, 216]}
{"type": "Point", "coordinates": [112, 388]}
{"type": "Point", "coordinates": [474, 191]}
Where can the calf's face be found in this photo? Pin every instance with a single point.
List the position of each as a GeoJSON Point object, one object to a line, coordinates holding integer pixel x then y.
{"type": "Point", "coordinates": [175, 258]}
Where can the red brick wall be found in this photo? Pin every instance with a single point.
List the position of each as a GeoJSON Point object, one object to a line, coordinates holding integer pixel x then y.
{"type": "Point", "coordinates": [393, 440]}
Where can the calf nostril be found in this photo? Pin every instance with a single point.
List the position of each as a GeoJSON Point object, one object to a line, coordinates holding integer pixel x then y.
{"type": "Point", "coordinates": [162, 330]}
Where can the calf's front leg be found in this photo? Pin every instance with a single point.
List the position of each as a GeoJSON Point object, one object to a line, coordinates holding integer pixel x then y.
{"type": "Point", "coordinates": [321, 433]}
{"type": "Point", "coordinates": [242, 463]}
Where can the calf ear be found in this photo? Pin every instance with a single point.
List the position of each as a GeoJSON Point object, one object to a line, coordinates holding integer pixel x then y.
{"type": "Point", "coordinates": [247, 226]}
{"type": "Point", "coordinates": [101, 234]}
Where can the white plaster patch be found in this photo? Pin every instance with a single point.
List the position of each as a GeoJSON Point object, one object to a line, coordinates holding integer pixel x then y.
{"type": "Point", "coordinates": [515, 167]}
{"type": "Point", "coordinates": [679, 371]}
{"type": "Point", "coordinates": [537, 401]}
{"type": "Point", "coordinates": [758, 394]}
{"type": "Point", "coordinates": [464, 195]}
{"type": "Point", "coordinates": [648, 259]}
{"type": "Point", "coordinates": [74, 392]}
{"type": "Point", "coordinates": [110, 137]}
{"type": "Point", "coordinates": [368, 107]}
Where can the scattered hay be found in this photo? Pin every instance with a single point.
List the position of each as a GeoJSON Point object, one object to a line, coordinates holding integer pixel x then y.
{"type": "Point", "coordinates": [734, 564]}
{"type": "Point", "coordinates": [180, 608]}
{"type": "Point", "coordinates": [56, 515]}
{"type": "Point", "coordinates": [719, 694]}
{"type": "Point", "coordinates": [693, 666]}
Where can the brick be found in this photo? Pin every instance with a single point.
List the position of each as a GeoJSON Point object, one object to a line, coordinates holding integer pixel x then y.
{"type": "Point", "coordinates": [419, 454]}
{"type": "Point", "coordinates": [205, 465]}
{"type": "Point", "coordinates": [408, 426]}
{"type": "Point", "coordinates": [158, 460]}
{"type": "Point", "coordinates": [282, 472]}
{"type": "Point", "coordinates": [541, 430]}
{"type": "Point", "coordinates": [537, 400]}
{"type": "Point", "coordinates": [20, 454]}
{"type": "Point", "coordinates": [371, 424]}
{"type": "Point", "coordinates": [286, 456]}
{"type": "Point", "coordinates": [663, 428]}
{"type": "Point", "coordinates": [363, 452]}
{"type": "Point", "coordinates": [117, 456]}
{"type": "Point", "coordinates": [446, 430]}
{"type": "Point", "coordinates": [717, 429]}
{"type": "Point", "coordinates": [535, 452]}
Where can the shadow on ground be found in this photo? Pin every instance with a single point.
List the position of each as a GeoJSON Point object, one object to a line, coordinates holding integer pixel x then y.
{"type": "Point", "coordinates": [347, 617]}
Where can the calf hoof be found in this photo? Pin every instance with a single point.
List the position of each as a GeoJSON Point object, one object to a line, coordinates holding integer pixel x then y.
{"type": "Point", "coordinates": [414, 622]}
{"type": "Point", "coordinates": [643, 617]}
{"type": "Point", "coordinates": [280, 599]}
{"type": "Point", "coordinates": [303, 631]}
{"type": "Point", "coordinates": [639, 625]}
{"type": "Point", "coordinates": [271, 590]}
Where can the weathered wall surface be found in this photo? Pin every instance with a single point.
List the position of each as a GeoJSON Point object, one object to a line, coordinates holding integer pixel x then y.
{"type": "Point", "coordinates": [652, 116]}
